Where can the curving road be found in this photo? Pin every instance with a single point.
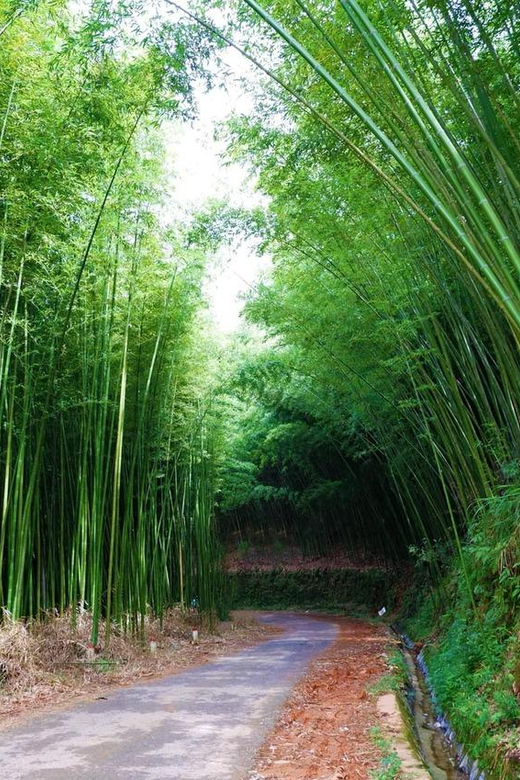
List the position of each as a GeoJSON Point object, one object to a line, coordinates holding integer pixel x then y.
{"type": "Point", "coordinates": [203, 724]}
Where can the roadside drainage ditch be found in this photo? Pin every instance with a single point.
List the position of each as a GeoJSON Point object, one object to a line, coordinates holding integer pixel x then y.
{"type": "Point", "coordinates": [444, 756]}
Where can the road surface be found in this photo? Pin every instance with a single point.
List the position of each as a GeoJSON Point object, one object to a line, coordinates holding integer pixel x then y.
{"type": "Point", "coordinates": [203, 724]}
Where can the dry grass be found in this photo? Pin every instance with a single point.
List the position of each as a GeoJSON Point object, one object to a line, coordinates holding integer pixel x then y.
{"type": "Point", "coordinates": [46, 663]}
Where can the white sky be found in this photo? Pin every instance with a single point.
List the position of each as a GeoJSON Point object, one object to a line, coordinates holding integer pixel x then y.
{"type": "Point", "coordinates": [196, 160]}
{"type": "Point", "coordinates": [198, 172]}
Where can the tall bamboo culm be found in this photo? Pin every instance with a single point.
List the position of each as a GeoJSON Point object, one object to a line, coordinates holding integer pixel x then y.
{"type": "Point", "coordinates": [98, 399]}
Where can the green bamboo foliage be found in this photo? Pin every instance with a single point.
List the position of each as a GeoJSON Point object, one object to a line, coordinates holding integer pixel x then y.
{"type": "Point", "coordinates": [102, 508]}
{"type": "Point", "coordinates": [436, 163]}
{"type": "Point", "coordinates": [426, 98]}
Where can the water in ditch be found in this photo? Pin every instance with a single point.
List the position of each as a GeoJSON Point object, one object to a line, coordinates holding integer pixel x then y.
{"type": "Point", "coordinates": [438, 754]}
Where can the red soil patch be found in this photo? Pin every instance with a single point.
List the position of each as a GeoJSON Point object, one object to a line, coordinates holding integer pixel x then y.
{"type": "Point", "coordinates": [291, 558]}
{"type": "Point", "coordinates": [324, 731]}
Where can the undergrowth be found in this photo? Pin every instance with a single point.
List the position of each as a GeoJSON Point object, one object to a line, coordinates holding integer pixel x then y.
{"type": "Point", "coordinates": [470, 625]}
{"type": "Point", "coordinates": [390, 764]}
{"type": "Point", "coordinates": [36, 650]}
{"type": "Point", "coordinates": [395, 679]}
{"type": "Point", "coordinates": [348, 590]}
{"type": "Point", "coordinates": [52, 660]}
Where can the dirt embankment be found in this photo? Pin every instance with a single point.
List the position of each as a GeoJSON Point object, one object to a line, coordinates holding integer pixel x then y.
{"type": "Point", "coordinates": [291, 558]}
{"type": "Point", "coordinates": [324, 730]}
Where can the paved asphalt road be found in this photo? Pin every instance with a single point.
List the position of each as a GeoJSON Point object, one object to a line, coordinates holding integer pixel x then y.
{"type": "Point", "coordinates": [203, 724]}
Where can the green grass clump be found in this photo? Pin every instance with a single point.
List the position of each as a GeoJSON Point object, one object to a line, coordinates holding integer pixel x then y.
{"type": "Point", "coordinates": [388, 682]}
{"type": "Point", "coordinates": [396, 679]}
{"type": "Point", "coordinates": [390, 764]}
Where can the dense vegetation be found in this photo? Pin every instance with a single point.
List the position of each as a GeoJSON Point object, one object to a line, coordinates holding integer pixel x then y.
{"type": "Point", "coordinates": [106, 490]}
{"type": "Point", "coordinates": [387, 411]}
{"type": "Point", "coordinates": [360, 591]}
{"type": "Point", "coordinates": [389, 330]}
{"type": "Point", "coordinates": [373, 400]}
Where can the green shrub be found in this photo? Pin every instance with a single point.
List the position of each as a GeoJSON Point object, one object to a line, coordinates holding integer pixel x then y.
{"type": "Point", "coordinates": [343, 589]}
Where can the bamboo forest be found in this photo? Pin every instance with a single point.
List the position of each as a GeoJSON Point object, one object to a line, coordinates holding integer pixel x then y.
{"type": "Point", "coordinates": [365, 405]}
